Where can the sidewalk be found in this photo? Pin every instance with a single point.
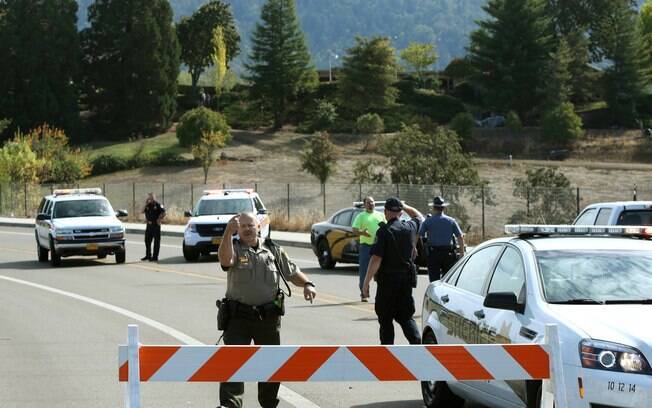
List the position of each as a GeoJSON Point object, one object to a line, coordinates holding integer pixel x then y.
{"type": "Point", "coordinates": [294, 239]}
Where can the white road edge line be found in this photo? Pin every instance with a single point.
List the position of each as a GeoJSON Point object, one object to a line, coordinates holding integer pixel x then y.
{"type": "Point", "coordinates": [291, 397]}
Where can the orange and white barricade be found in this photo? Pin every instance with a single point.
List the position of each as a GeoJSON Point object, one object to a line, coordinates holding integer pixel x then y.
{"type": "Point", "coordinates": [211, 363]}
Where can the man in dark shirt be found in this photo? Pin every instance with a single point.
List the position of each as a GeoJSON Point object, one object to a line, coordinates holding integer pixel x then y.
{"type": "Point", "coordinates": [391, 256]}
{"type": "Point", "coordinates": [154, 213]}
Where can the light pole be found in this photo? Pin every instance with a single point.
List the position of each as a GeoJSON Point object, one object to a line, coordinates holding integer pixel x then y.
{"type": "Point", "coordinates": [330, 67]}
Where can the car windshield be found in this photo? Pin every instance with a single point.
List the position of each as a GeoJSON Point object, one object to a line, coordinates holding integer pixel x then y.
{"type": "Point", "coordinates": [592, 277]}
{"type": "Point", "coordinates": [218, 207]}
{"type": "Point", "coordinates": [82, 208]}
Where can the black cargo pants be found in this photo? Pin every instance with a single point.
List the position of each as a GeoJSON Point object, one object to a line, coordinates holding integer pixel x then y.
{"type": "Point", "coordinates": [152, 232]}
{"type": "Point", "coordinates": [440, 260]}
{"type": "Point", "coordinates": [394, 301]}
{"type": "Point", "coordinates": [242, 331]}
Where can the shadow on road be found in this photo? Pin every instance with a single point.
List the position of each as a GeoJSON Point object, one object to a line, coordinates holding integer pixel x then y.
{"type": "Point", "coordinates": [392, 404]}
{"type": "Point", "coordinates": [65, 263]}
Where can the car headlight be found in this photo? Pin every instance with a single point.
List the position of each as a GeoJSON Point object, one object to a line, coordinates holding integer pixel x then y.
{"type": "Point", "coordinates": [191, 228]}
{"type": "Point", "coordinates": [60, 232]}
{"type": "Point", "coordinates": [116, 230]}
{"type": "Point", "coordinates": [603, 355]}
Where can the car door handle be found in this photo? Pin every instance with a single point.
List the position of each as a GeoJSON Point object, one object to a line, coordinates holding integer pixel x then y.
{"type": "Point", "coordinates": [479, 314]}
{"type": "Point", "coordinates": [444, 298]}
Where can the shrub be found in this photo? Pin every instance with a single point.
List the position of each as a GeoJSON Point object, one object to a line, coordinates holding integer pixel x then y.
{"type": "Point", "coordinates": [513, 122]}
{"type": "Point", "coordinates": [550, 197]}
{"type": "Point", "coordinates": [561, 124]}
{"type": "Point", "coordinates": [105, 163]}
{"type": "Point", "coordinates": [369, 124]}
{"type": "Point", "coordinates": [198, 121]}
{"type": "Point", "coordinates": [463, 124]}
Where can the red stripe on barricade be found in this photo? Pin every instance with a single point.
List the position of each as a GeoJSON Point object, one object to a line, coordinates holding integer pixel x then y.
{"type": "Point", "coordinates": [303, 364]}
{"type": "Point", "coordinates": [123, 373]}
{"type": "Point", "coordinates": [382, 363]}
{"type": "Point", "coordinates": [533, 358]}
{"type": "Point", "coordinates": [152, 358]}
{"type": "Point", "coordinates": [459, 362]}
{"type": "Point", "coordinates": [224, 363]}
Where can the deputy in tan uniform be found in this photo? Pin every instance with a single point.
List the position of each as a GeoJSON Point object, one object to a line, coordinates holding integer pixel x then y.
{"type": "Point", "coordinates": [253, 299]}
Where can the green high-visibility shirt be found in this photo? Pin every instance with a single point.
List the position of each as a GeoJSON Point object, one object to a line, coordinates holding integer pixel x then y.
{"type": "Point", "coordinates": [368, 221]}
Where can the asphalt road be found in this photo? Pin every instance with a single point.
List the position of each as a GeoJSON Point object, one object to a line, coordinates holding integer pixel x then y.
{"type": "Point", "coordinates": [60, 327]}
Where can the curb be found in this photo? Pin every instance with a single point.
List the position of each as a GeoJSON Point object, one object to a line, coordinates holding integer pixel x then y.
{"type": "Point", "coordinates": [164, 233]}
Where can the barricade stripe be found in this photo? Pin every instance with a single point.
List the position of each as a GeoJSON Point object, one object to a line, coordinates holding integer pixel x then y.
{"type": "Point", "coordinates": [421, 363]}
{"type": "Point", "coordinates": [343, 366]}
{"type": "Point", "coordinates": [382, 363]}
{"type": "Point", "coordinates": [498, 363]}
{"type": "Point", "coordinates": [152, 358]}
{"type": "Point", "coordinates": [122, 363]}
{"type": "Point", "coordinates": [533, 359]}
{"type": "Point", "coordinates": [184, 363]}
{"type": "Point", "coordinates": [264, 363]}
{"type": "Point", "coordinates": [303, 364]}
{"type": "Point", "coordinates": [225, 362]}
{"type": "Point", "coordinates": [123, 373]}
{"type": "Point", "coordinates": [459, 362]}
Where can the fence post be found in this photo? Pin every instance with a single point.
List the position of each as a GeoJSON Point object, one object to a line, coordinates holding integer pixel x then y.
{"type": "Point", "coordinates": [288, 202]}
{"type": "Point", "coordinates": [323, 190]}
{"type": "Point", "coordinates": [133, 384]}
{"type": "Point", "coordinates": [25, 188]}
{"type": "Point", "coordinates": [398, 191]}
{"type": "Point", "coordinates": [104, 189]}
{"type": "Point", "coordinates": [577, 201]}
{"type": "Point", "coordinates": [527, 200]}
{"type": "Point", "coordinates": [483, 222]}
{"type": "Point", "coordinates": [192, 196]}
{"type": "Point", "coordinates": [256, 187]}
{"type": "Point", "coordinates": [133, 198]}
{"type": "Point", "coordinates": [163, 194]}
{"type": "Point", "coordinates": [1, 202]}
{"type": "Point", "coordinates": [635, 192]}
{"type": "Point", "coordinates": [360, 192]}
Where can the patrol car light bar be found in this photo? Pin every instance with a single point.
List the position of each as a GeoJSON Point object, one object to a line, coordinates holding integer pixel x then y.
{"type": "Point", "coordinates": [562, 230]}
{"type": "Point", "coordinates": [229, 191]}
{"type": "Point", "coordinates": [65, 191]}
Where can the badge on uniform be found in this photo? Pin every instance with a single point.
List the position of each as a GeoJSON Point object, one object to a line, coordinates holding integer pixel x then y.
{"type": "Point", "coordinates": [243, 260]}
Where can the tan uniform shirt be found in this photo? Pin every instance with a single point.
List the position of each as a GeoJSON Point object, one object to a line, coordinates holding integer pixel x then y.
{"type": "Point", "coordinates": [254, 279]}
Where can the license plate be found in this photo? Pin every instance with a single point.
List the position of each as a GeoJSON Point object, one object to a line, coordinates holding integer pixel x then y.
{"type": "Point", "coordinates": [217, 240]}
{"type": "Point", "coordinates": [91, 247]}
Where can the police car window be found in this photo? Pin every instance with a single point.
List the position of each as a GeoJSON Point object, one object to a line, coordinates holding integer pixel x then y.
{"type": "Point", "coordinates": [343, 218]}
{"type": "Point", "coordinates": [230, 206]}
{"type": "Point", "coordinates": [509, 275]}
{"type": "Point", "coordinates": [48, 207]}
{"type": "Point", "coordinates": [476, 270]}
{"type": "Point", "coordinates": [603, 216]}
{"type": "Point", "coordinates": [589, 276]}
{"type": "Point", "coordinates": [587, 217]}
{"type": "Point", "coordinates": [82, 208]}
{"type": "Point", "coordinates": [636, 217]}
{"type": "Point", "coordinates": [41, 206]}
{"type": "Point", "coordinates": [258, 204]}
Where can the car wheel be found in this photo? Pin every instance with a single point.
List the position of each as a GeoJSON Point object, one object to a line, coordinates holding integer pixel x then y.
{"type": "Point", "coordinates": [42, 253]}
{"type": "Point", "coordinates": [55, 259]}
{"type": "Point", "coordinates": [325, 259]}
{"type": "Point", "coordinates": [189, 254]}
{"type": "Point", "coordinates": [436, 394]}
{"type": "Point", "coordinates": [120, 257]}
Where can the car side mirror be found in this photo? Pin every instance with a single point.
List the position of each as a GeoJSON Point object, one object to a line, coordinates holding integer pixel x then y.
{"type": "Point", "coordinates": [121, 213]}
{"type": "Point", "coordinates": [187, 214]}
{"type": "Point", "coordinates": [262, 211]}
{"type": "Point", "coordinates": [504, 301]}
{"type": "Point", "coordinates": [42, 217]}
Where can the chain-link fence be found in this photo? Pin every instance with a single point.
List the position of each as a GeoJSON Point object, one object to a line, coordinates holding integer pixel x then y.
{"type": "Point", "coordinates": [482, 211]}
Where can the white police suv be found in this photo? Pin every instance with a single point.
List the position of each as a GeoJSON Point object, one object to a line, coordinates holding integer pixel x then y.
{"type": "Point", "coordinates": [78, 222]}
{"type": "Point", "coordinates": [205, 228]}
{"type": "Point", "coordinates": [594, 282]}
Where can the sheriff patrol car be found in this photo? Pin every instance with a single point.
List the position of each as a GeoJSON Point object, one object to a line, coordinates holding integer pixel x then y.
{"type": "Point", "coordinates": [593, 282]}
{"type": "Point", "coordinates": [78, 222]}
{"type": "Point", "coordinates": [205, 228]}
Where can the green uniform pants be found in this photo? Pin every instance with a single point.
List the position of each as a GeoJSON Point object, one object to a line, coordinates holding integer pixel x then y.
{"type": "Point", "coordinates": [241, 331]}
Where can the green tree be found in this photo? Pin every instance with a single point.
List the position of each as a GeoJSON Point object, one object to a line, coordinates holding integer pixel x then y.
{"type": "Point", "coordinates": [205, 150]}
{"type": "Point", "coordinates": [39, 45]}
{"type": "Point", "coordinates": [18, 163]}
{"type": "Point", "coordinates": [280, 66]}
{"type": "Point", "coordinates": [436, 157]}
{"type": "Point", "coordinates": [645, 30]}
{"type": "Point", "coordinates": [419, 57]}
{"type": "Point", "coordinates": [513, 122]}
{"type": "Point", "coordinates": [318, 157]}
{"type": "Point", "coordinates": [367, 171]}
{"type": "Point", "coordinates": [200, 121]}
{"type": "Point", "coordinates": [558, 78]}
{"type": "Point", "coordinates": [549, 196]}
{"type": "Point", "coordinates": [219, 58]}
{"type": "Point", "coordinates": [561, 124]}
{"type": "Point", "coordinates": [463, 124]}
{"type": "Point", "coordinates": [369, 124]}
{"type": "Point", "coordinates": [131, 56]}
{"type": "Point", "coordinates": [367, 77]}
{"type": "Point", "coordinates": [509, 53]}
{"type": "Point", "coordinates": [4, 124]}
{"type": "Point", "coordinates": [196, 37]}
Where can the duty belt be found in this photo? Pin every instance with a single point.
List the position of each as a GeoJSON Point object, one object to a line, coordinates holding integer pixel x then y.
{"type": "Point", "coordinates": [440, 247]}
{"type": "Point", "coordinates": [253, 312]}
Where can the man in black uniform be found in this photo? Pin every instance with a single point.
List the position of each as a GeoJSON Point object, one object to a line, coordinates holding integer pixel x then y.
{"type": "Point", "coordinates": [154, 213]}
{"type": "Point", "coordinates": [391, 257]}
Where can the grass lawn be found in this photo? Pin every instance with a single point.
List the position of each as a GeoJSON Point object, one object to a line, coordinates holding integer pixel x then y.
{"type": "Point", "coordinates": [165, 143]}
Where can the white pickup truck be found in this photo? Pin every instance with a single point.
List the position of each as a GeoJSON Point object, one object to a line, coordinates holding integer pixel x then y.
{"type": "Point", "coordinates": [616, 213]}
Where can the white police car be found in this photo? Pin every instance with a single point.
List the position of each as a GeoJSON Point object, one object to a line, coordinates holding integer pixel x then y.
{"type": "Point", "coordinates": [78, 222]}
{"type": "Point", "coordinates": [205, 228]}
{"type": "Point", "coordinates": [594, 282]}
